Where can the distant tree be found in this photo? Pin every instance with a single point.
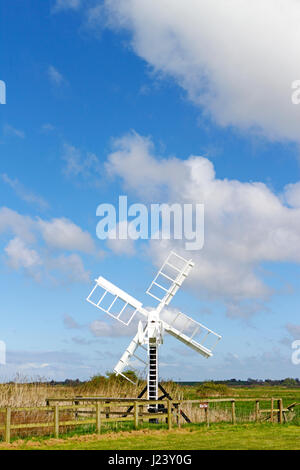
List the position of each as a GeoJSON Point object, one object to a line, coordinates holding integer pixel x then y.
{"type": "Point", "coordinates": [289, 382]}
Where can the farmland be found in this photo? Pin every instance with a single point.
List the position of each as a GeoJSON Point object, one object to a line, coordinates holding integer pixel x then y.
{"type": "Point", "coordinates": [245, 433]}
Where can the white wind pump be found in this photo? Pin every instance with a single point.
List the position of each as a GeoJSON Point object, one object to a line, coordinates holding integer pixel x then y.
{"type": "Point", "coordinates": [121, 306]}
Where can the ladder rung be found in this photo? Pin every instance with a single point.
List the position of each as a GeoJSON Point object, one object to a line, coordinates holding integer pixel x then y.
{"type": "Point", "coordinates": [101, 298]}
{"type": "Point", "coordinates": [195, 332]}
{"type": "Point", "coordinates": [161, 287]}
{"type": "Point", "coordinates": [180, 257]}
{"type": "Point", "coordinates": [123, 308]}
{"type": "Point", "coordinates": [174, 267]}
{"type": "Point", "coordinates": [152, 295]}
{"type": "Point", "coordinates": [168, 277]}
{"type": "Point", "coordinates": [116, 297]}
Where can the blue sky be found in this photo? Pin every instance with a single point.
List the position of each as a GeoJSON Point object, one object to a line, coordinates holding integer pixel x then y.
{"type": "Point", "coordinates": [110, 98]}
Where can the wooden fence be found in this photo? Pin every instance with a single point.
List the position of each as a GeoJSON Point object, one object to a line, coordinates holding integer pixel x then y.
{"type": "Point", "coordinates": [100, 412]}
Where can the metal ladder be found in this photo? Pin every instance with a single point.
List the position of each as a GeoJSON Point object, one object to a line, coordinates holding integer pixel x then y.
{"type": "Point", "coordinates": [153, 373]}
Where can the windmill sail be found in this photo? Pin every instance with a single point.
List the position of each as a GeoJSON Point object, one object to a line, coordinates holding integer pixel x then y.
{"type": "Point", "coordinates": [130, 353]}
{"type": "Point", "coordinates": [190, 332]}
{"type": "Point", "coordinates": [114, 301]}
{"type": "Point", "coordinates": [169, 278]}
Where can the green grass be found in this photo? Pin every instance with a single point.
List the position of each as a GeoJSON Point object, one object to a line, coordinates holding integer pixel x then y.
{"type": "Point", "coordinates": [289, 394]}
{"type": "Point", "coordinates": [244, 435]}
{"type": "Point", "coordinates": [245, 409]}
{"type": "Point", "coordinates": [218, 436]}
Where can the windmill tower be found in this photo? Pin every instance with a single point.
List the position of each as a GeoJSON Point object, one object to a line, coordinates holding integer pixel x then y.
{"type": "Point", "coordinates": [150, 333]}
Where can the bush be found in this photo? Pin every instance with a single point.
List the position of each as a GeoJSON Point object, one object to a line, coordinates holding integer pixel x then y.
{"type": "Point", "coordinates": [211, 389]}
{"type": "Point", "coordinates": [105, 382]}
{"type": "Point", "coordinates": [112, 377]}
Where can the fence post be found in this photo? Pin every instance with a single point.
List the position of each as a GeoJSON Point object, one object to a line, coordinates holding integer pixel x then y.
{"type": "Point", "coordinates": [207, 415]}
{"type": "Point", "coordinates": [280, 407]}
{"type": "Point", "coordinates": [141, 411]}
{"type": "Point", "coordinates": [107, 411]}
{"type": "Point", "coordinates": [272, 410]}
{"type": "Point", "coordinates": [98, 418]}
{"type": "Point", "coordinates": [170, 414]}
{"type": "Point", "coordinates": [136, 415]}
{"type": "Point", "coordinates": [76, 402]}
{"type": "Point", "coordinates": [178, 415]}
{"type": "Point", "coordinates": [56, 421]}
{"type": "Point", "coordinates": [257, 411]}
{"type": "Point", "coordinates": [233, 412]}
{"type": "Point", "coordinates": [7, 424]}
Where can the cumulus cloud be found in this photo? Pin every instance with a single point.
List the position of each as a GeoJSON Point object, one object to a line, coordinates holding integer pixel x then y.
{"type": "Point", "coordinates": [49, 260]}
{"type": "Point", "coordinates": [20, 255]}
{"type": "Point", "coordinates": [17, 224]}
{"type": "Point", "coordinates": [78, 164]}
{"type": "Point", "coordinates": [70, 267]}
{"type": "Point", "coordinates": [133, 153]}
{"type": "Point", "coordinates": [236, 59]}
{"type": "Point", "coordinates": [65, 235]}
{"type": "Point", "coordinates": [292, 194]}
{"type": "Point", "coordinates": [245, 223]}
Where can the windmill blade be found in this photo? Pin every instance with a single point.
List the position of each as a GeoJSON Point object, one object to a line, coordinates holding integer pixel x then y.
{"type": "Point", "coordinates": [114, 301]}
{"type": "Point", "coordinates": [169, 278]}
{"type": "Point", "coordinates": [190, 332]}
{"type": "Point", "coordinates": [130, 353]}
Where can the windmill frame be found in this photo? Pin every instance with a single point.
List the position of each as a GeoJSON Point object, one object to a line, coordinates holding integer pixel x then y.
{"type": "Point", "coordinates": [151, 336]}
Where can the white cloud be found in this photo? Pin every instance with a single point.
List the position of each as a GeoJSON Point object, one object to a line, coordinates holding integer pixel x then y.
{"type": "Point", "coordinates": [47, 127]}
{"type": "Point", "coordinates": [121, 247]}
{"type": "Point", "coordinates": [55, 76]}
{"type": "Point", "coordinates": [245, 223]}
{"type": "Point", "coordinates": [70, 323]}
{"type": "Point", "coordinates": [294, 330]}
{"type": "Point", "coordinates": [17, 224]}
{"type": "Point", "coordinates": [70, 267]}
{"type": "Point", "coordinates": [10, 130]}
{"type": "Point", "coordinates": [25, 251]}
{"type": "Point", "coordinates": [235, 58]}
{"type": "Point", "coordinates": [66, 5]}
{"type": "Point", "coordinates": [76, 164]}
{"type": "Point", "coordinates": [292, 194]}
{"type": "Point", "coordinates": [20, 255]}
{"type": "Point", "coordinates": [33, 365]}
{"type": "Point", "coordinates": [24, 193]}
{"type": "Point", "coordinates": [103, 329]}
{"type": "Point", "coordinates": [133, 153]}
{"type": "Point", "coordinates": [93, 16]}
{"type": "Point", "coordinates": [65, 235]}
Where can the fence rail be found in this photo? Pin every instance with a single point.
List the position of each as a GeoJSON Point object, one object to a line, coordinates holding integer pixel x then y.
{"type": "Point", "coordinates": [99, 409]}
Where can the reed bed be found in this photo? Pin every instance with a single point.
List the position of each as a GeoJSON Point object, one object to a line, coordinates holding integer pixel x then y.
{"type": "Point", "coordinates": [26, 393]}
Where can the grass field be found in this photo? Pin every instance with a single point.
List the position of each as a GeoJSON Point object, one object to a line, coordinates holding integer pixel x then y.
{"type": "Point", "coordinates": [216, 437]}
{"type": "Point", "coordinates": [246, 434]}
